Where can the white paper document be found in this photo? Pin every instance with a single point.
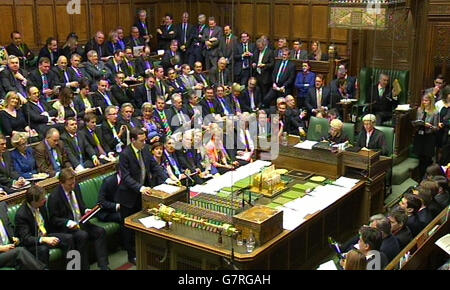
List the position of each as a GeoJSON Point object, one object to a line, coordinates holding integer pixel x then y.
{"type": "Point", "coordinates": [170, 189]}
{"type": "Point", "coordinates": [328, 266]}
{"type": "Point", "coordinates": [152, 222]}
{"type": "Point", "coordinates": [307, 144]}
{"type": "Point", "coordinates": [444, 243]}
{"type": "Point", "coordinates": [346, 182]}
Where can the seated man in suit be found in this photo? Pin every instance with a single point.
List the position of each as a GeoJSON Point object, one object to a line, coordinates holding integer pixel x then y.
{"type": "Point", "coordinates": [76, 74]}
{"type": "Point", "coordinates": [173, 162]}
{"type": "Point", "coordinates": [389, 244]}
{"type": "Point", "coordinates": [120, 90]}
{"type": "Point", "coordinates": [175, 115]}
{"type": "Point", "coordinates": [398, 218]}
{"type": "Point", "coordinates": [135, 39]}
{"type": "Point", "coordinates": [43, 78]}
{"type": "Point", "coordinates": [42, 115]}
{"type": "Point", "coordinates": [424, 214]}
{"type": "Point", "coordinates": [162, 89]}
{"type": "Point", "coordinates": [351, 84]}
{"type": "Point", "coordinates": [175, 83]}
{"type": "Point", "coordinates": [126, 117]}
{"type": "Point", "coordinates": [13, 78]}
{"type": "Point", "coordinates": [33, 227]}
{"type": "Point", "coordinates": [383, 99]}
{"type": "Point", "coordinates": [411, 204]}
{"type": "Point", "coordinates": [371, 138]}
{"type": "Point", "coordinates": [63, 74]}
{"type": "Point", "coordinates": [139, 172]}
{"type": "Point", "coordinates": [297, 53]}
{"type": "Point", "coordinates": [80, 153]}
{"type": "Point", "coordinates": [102, 97]}
{"type": "Point", "coordinates": [145, 93]}
{"type": "Point", "coordinates": [190, 158]}
{"type": "Point", "coordinates": [21, 50]}
{"type": "Point", "coordinates": [113, 135]}
{"type": "Point", "coordinates": [98, 44]}
{"type": "Point", "coordinates": [210, 105]}
{"type": "Point", "coordinates": [92, 136]}
{"type": "Point", "coordinates": [143, 63]}
{"type": "Point", "coordinates": [189, 81]}
{"type": "Point", "coordinates": [95, 69]}
{"type": "Point", "coordinates": [200, 76]}
{"type": "Point", "coordinates": [224, 101]}
{"type": "Point", "coordinates": [116, 65]}
{"type": "Point", "coordinates": [8, 176]}
{"type": "Point", "coordinates": [318, 97]}
{"type": "Point", "coordinates": [50, 50]}
{"type": "Point", "coordinates": [220, 75]}
{"type": "Point", "coordinates": [194, 111]}
{"type": "Point", "coordinates": [66, 207]}
{"type": "Point", "coordinates": [369, 243]}
{"type": "Point", "coordinates": [51, 157]}
{"type": "Point", "coordinates": [251, 97]}
{"type": "Point", "coordinates": [282, 79]}
{"type": "Point", "coordinates": [10, 254]}
{"type": "Point", "coordinates": [172, 57]}
{"type": "Point", "coordinates": [108, 198]}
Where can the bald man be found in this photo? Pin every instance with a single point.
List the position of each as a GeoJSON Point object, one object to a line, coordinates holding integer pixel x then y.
{"type": "Point", "coordinates": [65, 78]}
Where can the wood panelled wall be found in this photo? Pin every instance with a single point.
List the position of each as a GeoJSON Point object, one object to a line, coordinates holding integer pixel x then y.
{"type": "Point", "coordinates": [39, 19]}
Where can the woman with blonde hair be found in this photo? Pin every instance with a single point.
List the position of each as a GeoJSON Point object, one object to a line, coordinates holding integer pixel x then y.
{"type": "Point", "coordinates": [12, 117]}
{"type": "Point", "coordinates": [316, 52]}
{"type": "Point", "coordinates": [426, 125]}
{"type": "Point", "coordinates": [23, 156]}
{"type": "Point", "coordinates": [113, 43]}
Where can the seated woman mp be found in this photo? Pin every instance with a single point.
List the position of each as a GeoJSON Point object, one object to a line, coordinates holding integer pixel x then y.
{"type": "Point", "coordinates": [12, 118]}
{"type": "Point", "coordinates": [23, 156]}
{"type": "Point", "coordinates": [371, 138]}
{"type": "Point", "coordinates": [157, 150]}
{"type": "Point", "coordinates": [219, 158]}
{"type": "Point", "coordinates": [336, 135]}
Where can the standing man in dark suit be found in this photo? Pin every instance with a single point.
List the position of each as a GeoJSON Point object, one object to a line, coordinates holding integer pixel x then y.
{"type": "Point", "coordinates": [21, 50]}
{"type": "Point", "coordinates": [142, 24]}
{"type": "Point", "coordinates": [80, 153]}
{"type": "Point", "coordinates": [382, 99]}
{"type": "Point", "coordinates": [50, 50]}
{"type": "Point", "coordinates": [251, 98]}
{"type": "Point", "coordinates": [139, 171]}
{"type": "Point", "coordinates": [318, 97]}
{"type": "Point", "coordinates": [43, 78]}
{"type": "Point", "coordinates": [228, 45]}
{"type": "Point", "coordinates": [13, 78]}
{"type": "Point", "coordinates": [198, 42]}
{"type": "Point", "coordinates": [243, 55]}
{"type": "Point", "coordinates": [51, 157]}
{"type": "Point", "coordinates": [213, 36]}
{"type": "Point", "coordinates": [282, 77]}
{"type": "Point", "coordinates": [33, 227]}
{"type": "Point", "coordinates": [166, 33]}
{"type": "Point", "coordinates": [263, 62]}
{"type": "Point", "coordinates": [185, 33]}
{"type": "Point", "coordinates": [66, 207]}
{"type": "Point", "coordinates": [10, 254]}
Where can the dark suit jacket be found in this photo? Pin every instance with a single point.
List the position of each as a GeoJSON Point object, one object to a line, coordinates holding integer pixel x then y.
{"type": "Point", "coordinates": [102, 50]}
{"type": "Point", "coordinates": [227, 50]}
{"type": "Point", "coordinates": [377, 141]}
{"type": "Point", "coordinates": [107, 196]}
{"type": "Point", "coordinates": [169, 59]}
{"type": "Point", "coordinates": [99, 100]}
{"type": "Point", "coordinates": [131, 42]}
{"type": "Point", "coordinates": [59, 208]}
{"type": "Point", "coordinates": [9, 227]}
{"type": "Point", "coordinates": [8, 81]}
{"type": "Point", "coordinates": [7, 173]}
{"type": "Point", "coordinates": [287, 78]}
{"type": "Point", "coordinates": [189, 159]}
{"type": "Point", "coordinates": [303, 54]}
{"type": "Point", "coordinates": [384, 104]}
{"type": "Point", "coordinates": [37, 121]}
{"type": "Point", "coordinates": [62, 79]}
{"type": "Point", "coordinates": [390, 247]}
{"type": "Point", "coordinates": [44, 52]}
{"type": "Point", "coordinates": [107, 137]}
{"type": "Point", "coordinates": [14, 50]}
{"type": "Point", "coordinates": [311, 99]}
{"type": "Point", "coordinates": [95, 74]}
{"type": "Point", "coordinates": [140, 96]}
{"type": "Point", "coordinates": [214, 76]}
{"type": "Point", "coordinates": [351, 86]}
{"type": "Point", "coordinates": [202, 80]}
{"type": "Point", "coordinates": [89, 140]}
{"type": "Point", "coordinates": [76, 76]}
{"type": "Point", "coordinates": [177, 86]}
{"type": "Point", "coordinates": [158, 90]}
{"type": "Point", "coordinates": [26, 225]}
{"type": "Point", "coordinates": [141, 66]}
{"type": "Point", "coordinates": [173, 120]}
{"type": "Point", "coordinates": [245, 99]}
{"type": "Point", "coordinates": [414, 225]}
{"type": "Point", "coordinates": [113, 68]}
{"type": "Point", "coordinates": [43, 161]}
{"type": "Point", "coordinates": [404, 236]}
{"type": "Point", "coordinates": [238, 60]}
{"type": "Point", "coordinates": [79, 105]}
{"type": "Point", "coordinates": [189, 34]}
{"type": "Point", "coordinates": [121, 95]}
{"type": "Point", "coordinates": [166, 37]}
{"type": "Point", "coordinates": [217, 33]}
{"type": "Point", "coordinates": [425, 216]}
{"type": "Point", "coordinates": [206, 109]}
{"type": "Point", "coordinates": [72, 151]}
{"type": "Point", "coordinates": [266, 72]}
{"type": "Point", "coordinates": [133, 122]}
{"type": "Point", "coordinates": [35, 79]}
{"type": "Point", "coordinates": [129, 188]}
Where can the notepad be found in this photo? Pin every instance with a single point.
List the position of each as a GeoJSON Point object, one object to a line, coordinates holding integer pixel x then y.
{"type": "Point", "coordinates": [293, 194]}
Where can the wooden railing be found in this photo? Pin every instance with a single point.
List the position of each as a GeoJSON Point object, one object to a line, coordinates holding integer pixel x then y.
{"type": "Point", "coordinates": [423, 253]}
{"type": "Point", "coordinates": [50, 183]}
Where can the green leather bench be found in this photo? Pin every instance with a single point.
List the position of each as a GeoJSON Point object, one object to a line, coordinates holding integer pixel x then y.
{"type": "Point", "coordinates": [89, 191]}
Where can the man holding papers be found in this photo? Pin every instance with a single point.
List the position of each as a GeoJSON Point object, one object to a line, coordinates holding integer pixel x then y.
{"type": "Point", "coordinates": [66, 207]}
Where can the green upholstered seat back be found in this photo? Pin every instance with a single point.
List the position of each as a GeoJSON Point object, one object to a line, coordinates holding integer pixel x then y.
{"type": "Point", "coordinates": [90, 188]}
{"type": "Point", "coordinates": [349, 130]}
{"type": "Point", "coordinates": [12, 210]}
{"type": "Point", "coordinates": [389, 135]}
{"type": "Point", "coordinates": [318, 128]}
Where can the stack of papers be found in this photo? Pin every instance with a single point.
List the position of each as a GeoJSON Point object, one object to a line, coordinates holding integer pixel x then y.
{"type": "Point", "coordinates": [152, 222]}
{"type": "Point", "coordinates": [346, 182]}
{"type": "Point", "coordinates": [307, 144]}
{"type": "Point", "coordinates": [170, 189]}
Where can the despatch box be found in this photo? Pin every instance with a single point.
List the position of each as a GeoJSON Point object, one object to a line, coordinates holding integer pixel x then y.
{"type": "Point", "coordinates": [265, 223]}
{"type": "Point", "coordinates": [157, 196]}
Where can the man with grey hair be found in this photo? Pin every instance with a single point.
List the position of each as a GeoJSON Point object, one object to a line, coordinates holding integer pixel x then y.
{"type": "Point", "coordinates": [185, 33]}
{"type": "Point", "coordinates": [175, 115]}
{"type": "Point", "coordinates": [61, 71]}
{"type": "Point", "coordinates": [351, 82]}
{"type": "Point", "coordinates": [50, 154]}
{"type": "Point", "coordinates": [98, 44]}
{"type": "Point", "coordinates": [96, 69]}
{"type": "Point", "coordinates": [389, 245]}
{"type": "Point", "coordinates": [112, 133]}
{"type": "Point", "coordinates": [126, 117]}
{"type": "Point", "coordinates": [13, 77]}
{"type": "Point", "coordinates": [220, 75]}
{"type": "Point", "coordinates": [263, 62]}
{"type": "Point", "coordinates": [383, 99]}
